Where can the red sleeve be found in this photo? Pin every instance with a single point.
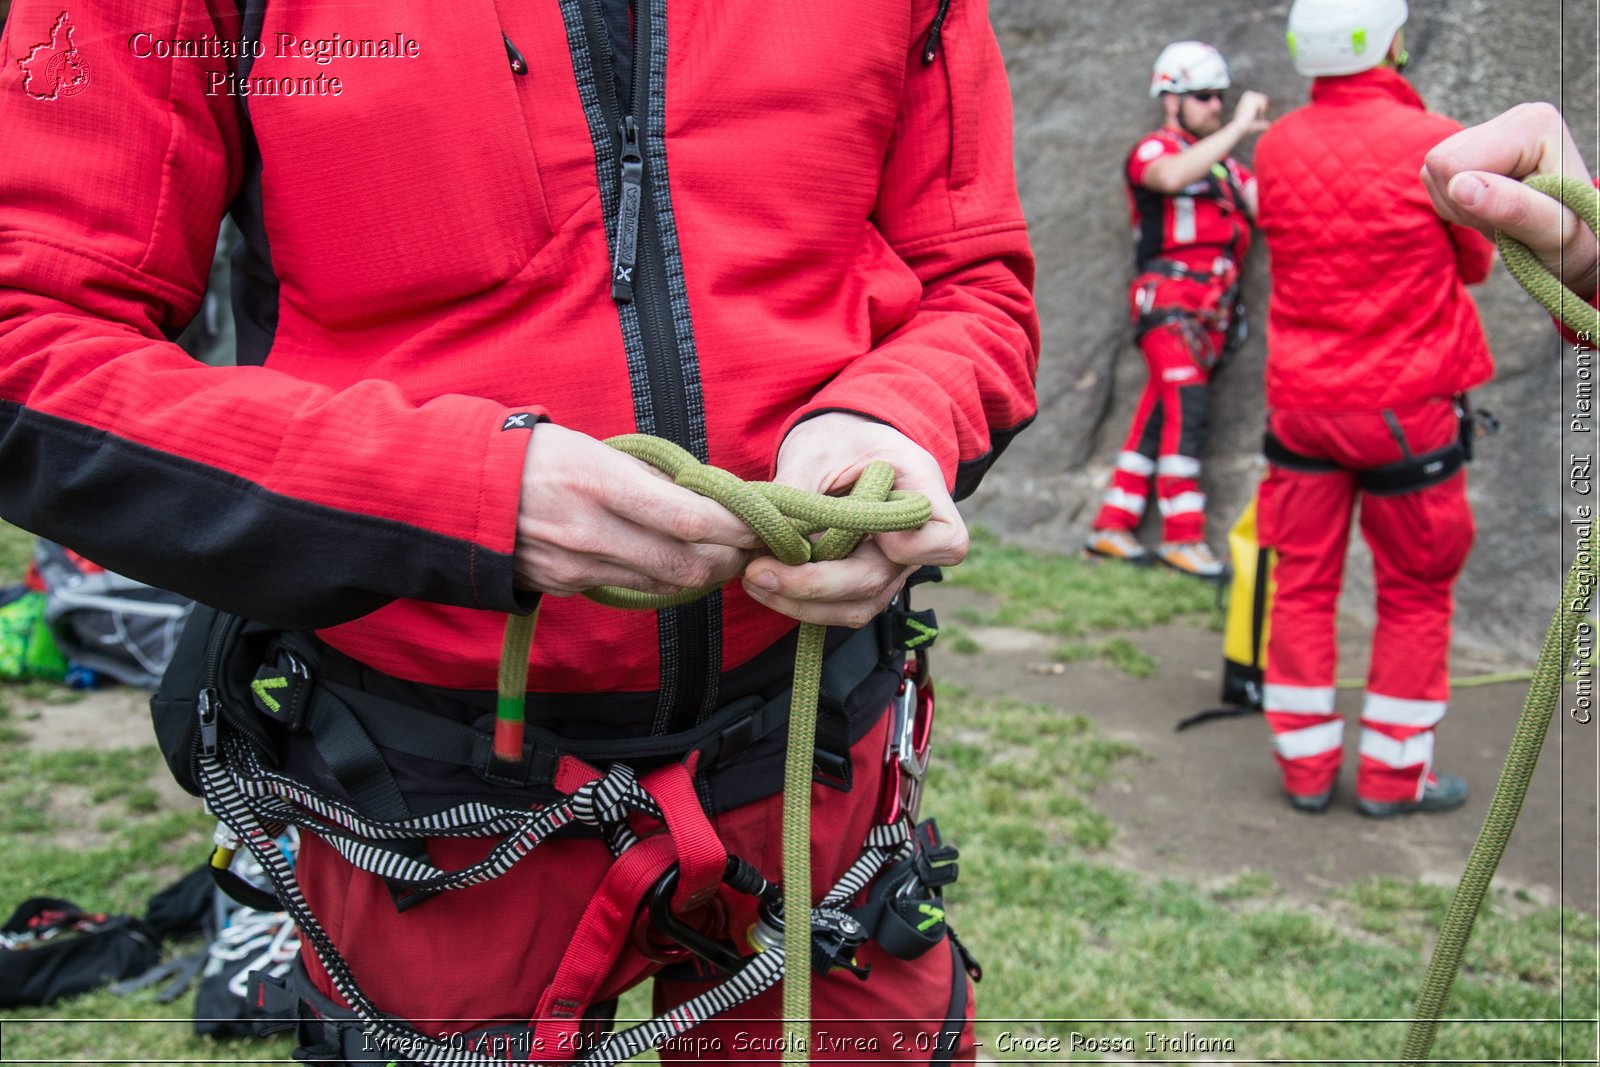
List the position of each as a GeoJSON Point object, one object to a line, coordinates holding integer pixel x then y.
{"type": "Point", "coordinates": [958, 377]}
{"type": "Point", "coordinates": [1474, 253]}
{"type": "Point", "coordinates": [1146, 152]}
{"type": "Point", "coordinates": [243, 487]}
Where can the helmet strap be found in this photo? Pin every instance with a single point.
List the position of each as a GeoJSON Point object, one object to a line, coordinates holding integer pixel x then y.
{"type": "Point", "coordinates": [1398, 56]}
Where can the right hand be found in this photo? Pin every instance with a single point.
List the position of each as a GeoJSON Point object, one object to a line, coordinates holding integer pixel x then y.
{"type": "Point", "coordinates": [1474, 178]}
{"type": "Point", "coordinates": [1250, 113]}
{"type": "Point", "coordinates": [591, 515]}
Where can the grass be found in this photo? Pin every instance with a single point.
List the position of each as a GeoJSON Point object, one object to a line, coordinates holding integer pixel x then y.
{"type": "Point", "coordinates": [1074, 938]}
{"type": "Point", "coordinates": [1117, 652]}
{"type": "Point", "coordinates": [16, 549]}
{"type": "Point", "coordinates": [1092, 603]}
{"type": "Point", "coordinates": [1072, 597]}
{"type": "Point", "coordinates": [1068, 935]}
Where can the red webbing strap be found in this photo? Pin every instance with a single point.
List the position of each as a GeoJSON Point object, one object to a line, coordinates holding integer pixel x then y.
{"type": "Point", "coordinates": [596, 945]}
{"type": "Point", "coordinates": [572, 773]}
{"type": "Point", "coordinates": [701, 854]}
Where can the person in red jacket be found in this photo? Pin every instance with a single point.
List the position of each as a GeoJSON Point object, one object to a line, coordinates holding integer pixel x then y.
{"type": "Point", "coordinates": [477, 242]}
{"type": "Point", "coordinates": [1372, 340]}
{"type": "Point", "coordinates": [1190, 206]}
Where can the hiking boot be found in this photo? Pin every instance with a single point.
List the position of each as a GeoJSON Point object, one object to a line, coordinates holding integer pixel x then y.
{"type": "Point", "coordinates": [1117, 544]}
{"type": "Point", "coordinates": [1441, 792]}
{"type": "Point", "coordinates": [1310, 803]}
{"type": "Point", "coordinates": [1191, 557]}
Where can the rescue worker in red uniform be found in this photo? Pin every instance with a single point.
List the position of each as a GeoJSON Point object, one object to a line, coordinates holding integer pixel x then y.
{"type": "Point", "coordinates": [466, 263]}
{"type": "Point", "coordinates": [1372, 340]}
{"type": "Point", "coordinates": [1190, 207]}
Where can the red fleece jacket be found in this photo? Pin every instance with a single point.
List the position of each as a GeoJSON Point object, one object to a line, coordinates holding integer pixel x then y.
{"type": "Point", "coordinates": [840, 229]}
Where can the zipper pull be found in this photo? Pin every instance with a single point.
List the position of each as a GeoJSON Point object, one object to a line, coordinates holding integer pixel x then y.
{"type": "Point", "coordinates": [206, 707]}
{"type": "Point", "coordinates": [519, 65]}
{"type": "Point", "coordinates": [930, 47]}
{"type": "Point", "coordinates": [626, 255]}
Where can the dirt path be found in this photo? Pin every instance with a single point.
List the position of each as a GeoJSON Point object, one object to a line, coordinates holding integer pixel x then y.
{"type": "Point", "coordinates": [1207, 805]}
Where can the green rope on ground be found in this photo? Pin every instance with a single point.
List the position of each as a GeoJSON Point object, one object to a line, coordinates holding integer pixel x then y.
{"type": "Point", "coordinates": [1471, 681]}
{"type": "Point", "coordinates": [1544, 691]}
{"type": "Point", "coordinates": [784, 518]}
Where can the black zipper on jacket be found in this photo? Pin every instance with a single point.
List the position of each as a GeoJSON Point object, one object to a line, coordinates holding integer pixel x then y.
{"type": "Point", "coordinates": [519, 65]}
{"type": "Point", "coordinates": [930, 46]}
{"type": "Point", "coordinates": [639, 277]}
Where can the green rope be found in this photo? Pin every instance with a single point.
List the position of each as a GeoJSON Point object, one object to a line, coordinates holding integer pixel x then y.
{"type": "Point", "coordinates": [784, 518]}
{"type": "Point", "coordinates": [1576, 313]}
{"type": "Point", "coordinates": [1544, 691]}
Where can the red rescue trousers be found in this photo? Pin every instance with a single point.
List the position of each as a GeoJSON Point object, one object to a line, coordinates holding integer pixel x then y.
{"type": "Point", "coordinates": [1419, 541]}
{"type": "Point", "coordinates": [1172, 421]}
{"type": "Point", "coordinates": [490, 951]}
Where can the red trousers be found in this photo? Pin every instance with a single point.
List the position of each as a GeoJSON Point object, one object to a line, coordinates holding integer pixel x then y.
{"type": "Point", "coordinates": [1172, 421]}
{"type": "Point", "coordinates": [1419, 543]}
{"type": "Point", "coordinates": [490, 951]}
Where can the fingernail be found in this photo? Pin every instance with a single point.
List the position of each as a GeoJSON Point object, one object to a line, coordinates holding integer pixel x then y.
{"type": "Point", "coordinates": [1467, 189]}
{"type": "Point", "coordinates": [766, 581]}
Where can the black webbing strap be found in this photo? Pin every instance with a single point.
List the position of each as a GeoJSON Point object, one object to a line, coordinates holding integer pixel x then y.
{"type": "Point", "coordinates": [325, 1032]}
{"type": "Point", "coordinates": [1281, 455]}
{"type": "Point", "coordinates": [1171, 268]}
{"type": "Point", "coordinates": [1156, 318]}
{"type": "Point", "coordinates": [1414, 473]}
{"type": "Point", "coordinates": [357, 765]}
{"type": "Point", "coordinates": [1392, 479]}
{"type": "Point", "coordinates": [284, 690]}
{"type": "Point", "coordinates": [350, 726]}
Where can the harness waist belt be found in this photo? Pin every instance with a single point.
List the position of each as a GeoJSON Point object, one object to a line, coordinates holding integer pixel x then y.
{"type": "Point", "coordinates": [391, 730]}
{"type": "Point", "coordinates": [1406, 475]}
{"type": "Point", "coordinates": [1174, 269]}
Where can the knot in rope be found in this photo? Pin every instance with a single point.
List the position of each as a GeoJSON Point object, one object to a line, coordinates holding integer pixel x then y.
{"type": "Point", "coordinates": [605, 800]}
{"type": "Point", "coordinates": [782, 516]}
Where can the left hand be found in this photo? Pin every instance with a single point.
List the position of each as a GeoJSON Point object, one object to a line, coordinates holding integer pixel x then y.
{"type": "Point", "coordinates": [827, 453]}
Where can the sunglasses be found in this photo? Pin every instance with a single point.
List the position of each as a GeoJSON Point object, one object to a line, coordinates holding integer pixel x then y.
{"type": "Point", "coordinates": [1205, 96]}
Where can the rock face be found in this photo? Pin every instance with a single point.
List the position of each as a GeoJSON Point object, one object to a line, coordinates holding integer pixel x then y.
{"type": "Point", "coordinates": [1079, 73]}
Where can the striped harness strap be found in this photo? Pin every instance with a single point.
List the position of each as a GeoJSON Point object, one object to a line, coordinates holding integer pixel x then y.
{"type": "Point", "coordinates": [256, 803]}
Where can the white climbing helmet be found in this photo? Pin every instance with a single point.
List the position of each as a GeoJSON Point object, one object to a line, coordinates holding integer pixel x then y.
{"type": "Point", "coordinates": [1342, 36]}
{"type": "Point", "coordinates": [1187, 67]}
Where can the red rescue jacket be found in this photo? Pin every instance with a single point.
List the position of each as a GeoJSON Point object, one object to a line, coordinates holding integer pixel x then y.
{"type": "Point", "coordinates": [1195, 226]}
{"type": "Point", "coordinates": [1369, 305]}
{"type": "Point", "coordinates": [828, 223]}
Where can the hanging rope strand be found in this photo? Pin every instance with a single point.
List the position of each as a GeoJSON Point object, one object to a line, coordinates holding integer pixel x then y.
{"type": "Point", "coordinates": [1544, 692]}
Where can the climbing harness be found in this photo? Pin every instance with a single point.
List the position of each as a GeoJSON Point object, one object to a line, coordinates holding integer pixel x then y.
{"type": "Point", "coordinates": [1159, 305]}
{"type": "Point", "coordinates": [226, 752]}
{"type": "Point", "coordinates": [1544, 692]}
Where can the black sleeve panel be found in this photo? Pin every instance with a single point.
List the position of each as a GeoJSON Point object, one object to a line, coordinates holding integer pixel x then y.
{"type": "Point", "coordinates": [226, 541]}
{"type": "Point", "coordinates": [970, 472]}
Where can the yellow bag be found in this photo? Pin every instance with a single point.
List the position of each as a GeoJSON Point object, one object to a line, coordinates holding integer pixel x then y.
{"type": "Point", "coordinates": [1244, 641]}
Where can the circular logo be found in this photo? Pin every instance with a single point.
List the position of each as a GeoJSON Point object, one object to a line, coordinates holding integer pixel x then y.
{"type": "Point", "coordinates": [67, 74]}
